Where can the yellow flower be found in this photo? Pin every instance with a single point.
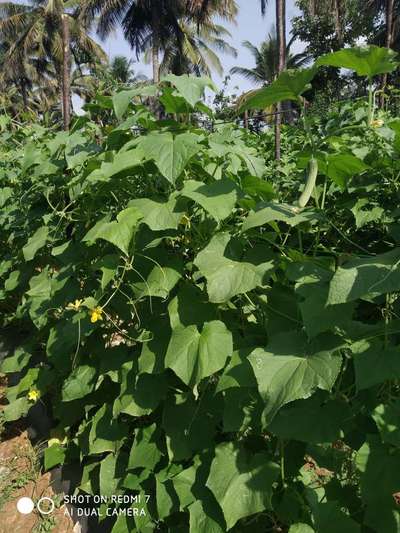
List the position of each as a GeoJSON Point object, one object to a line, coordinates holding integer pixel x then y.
{"type": "Point", "coordinates": [96, 314]}
{"type": "Point", "coordinates": [57, 437]}
{"type": "Point", "coordinates": [377, 123]}
{"type": "Point", "coordinates": [33, 395]}
{"type": "Point", "coordinates": [185, 221]}
{"type": "Point", "coordinates": [75, 306]}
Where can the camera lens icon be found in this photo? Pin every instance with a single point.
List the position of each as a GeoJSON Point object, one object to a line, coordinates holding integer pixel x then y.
{"type": "Point", "coordinates": [25, 505]}
{"type": "Point", "coordinates": [45, 505]}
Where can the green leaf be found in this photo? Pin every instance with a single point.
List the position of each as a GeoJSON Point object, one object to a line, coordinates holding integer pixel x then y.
{"type": "Point", "coordinates": [118, 232]}
{"type": "Point", "coordinates": [189, 425]}
{"type": "Point", "coordinates": [16, 409]}
{"type": "Point", "coordinates": [203, 518]}
{"type": "Point", "coordinates": [380, 481]}
{"type": "Point", "coordinates": [79, 383]}
{"type": "Point", "coordinates": [301, 528]}
{"type": "Point", "coordinates": [373, 364]}
{"type": "Point", "coordinates": [364, 60]}
{"type": "Point", "coordinates": [291, 368]}
{"type": "Point", "coordinates": [311, 420]}
{"type": "Point", "coordinates": [106, 433]}
{"type": "Point", "coordinates": [241, 483]}
{"type": "Point", "coordinates": [170, 154]}
{"type": "Point", "coordinates": [5, 194]}
{"type": "Point", "coordinates": [373, 213]}
{"type": "Point", "coordinates": [16, 362]}
{"type": "Point", "coordinates": [191, 88]}
{"type": "Point", "coordinates": [190, 306]}
{"type": "Point", "coordinates": [107, 478]}
{"type": "Point", "coordinates": [122, 99]}
{"type": "Point", "coordinates": [238, 372]}
{"type": "Point", "coordinates": [387, 420]}
{"type": "Point", "coordinates": [318, 317]}
{"type": "Point", "coordinates": [161, 280]}
{"type": "Point", "coordinates": [40, 285]}
{"type": "Point", "coordinates": [141, 396]}
{"type": "Point", "coordinates": [268, 212]}
{"type": "Point", "coordinates": [145, 452]}
{"type": "Point", "coordinates": [226, 277]}
{"type": "Point", "coordinates": [341, 167]}
{"type": "Point", "coordinates": [37, 241]}
{"type": "Point", "coordinates": [366, 277]}
{"type": "Point", "coordinates": [159, 215]}
{"type": "Point", "coordinates": [194, 356]}
{"type": "Point", "coordinates": [218, 198]}
{"type": "Point", "coordinates": [53, 456]}
{"type": "Point", "coordinates": [122, 161]}
{"type": "Point", "coordinates": [329, 518]}
{"type": "Point", "coordinates": [289, 86]}
{"type": "Point", "coordinates": [108, 265]}
{"type": "Point", "coordinates": [254, 186]}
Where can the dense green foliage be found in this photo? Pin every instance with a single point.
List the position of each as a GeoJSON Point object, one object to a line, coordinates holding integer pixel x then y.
{"type": "Point", "coordinates": [196, 334]}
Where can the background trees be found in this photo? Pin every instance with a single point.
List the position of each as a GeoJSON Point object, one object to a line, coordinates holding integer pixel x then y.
{"type": "Point", "coordinates": [40, 40]}
{"type": "Point", "coordinates": [48, 52]}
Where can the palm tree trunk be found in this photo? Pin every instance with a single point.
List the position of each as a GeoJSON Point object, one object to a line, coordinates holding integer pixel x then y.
{"type": "Point", "coordinates": [156, 64]}
{"type": "Point", "coordinates": [311, 8]}
{"type": "Point", "coordinates": [389, 22]}
{"type": "Point", "coordinates": [338, 22]}
{"type": "Point", "coordinates": [246, 119]}
{"type": "Point", "coordinates": [281, 34]}
{"type": "Point", "coordinates": [24, 93]}
{"type": "Point", "coordinates": [389, 42]}
{"type": "Point", "coordinates": [66, 65]}
{"type": "Point", "coordinates": [156, 43]}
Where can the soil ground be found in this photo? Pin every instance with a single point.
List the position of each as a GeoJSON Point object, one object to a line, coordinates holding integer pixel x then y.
{"type": "Point", "coordinates": [21, 475]}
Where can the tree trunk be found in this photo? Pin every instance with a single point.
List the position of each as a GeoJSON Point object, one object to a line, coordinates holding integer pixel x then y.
{"type": "Point", "coordinates": [389, 42]}
{"type": "Point", "coordinates": [156, 64]}
{"type": "Point", "coordinates": [281, 34]}
{"type": "Point", "coordinates": [389, 22]}
{"type": "Point", "coordinates": [24, 93]}
{"type": "Point", "coordinates": [338, 22]}
{"type": "Point", "coordinates": [156, 43]}
{"type": "Point", "coordinates": [311, 8]}
{"type": "Point", "coordinates": [246, 119]}
{"type": "Point", "coordinates": [66, 66]}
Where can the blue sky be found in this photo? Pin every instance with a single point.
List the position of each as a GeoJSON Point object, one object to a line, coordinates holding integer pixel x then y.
{"type": "Point", "coordinates": [250, 26]}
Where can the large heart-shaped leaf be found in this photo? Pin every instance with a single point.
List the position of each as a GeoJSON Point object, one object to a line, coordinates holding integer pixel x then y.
{"type": "Point", "coordinates": [290, 85]}
{"type": "Point", "coordinates": [218, 198]}
{"type": "Point", "coordinates": [119, 232]}
{"type": "Point", "coordinates": [170, 154]}
{"type": "Point", "coordinates": [291, 368]}
{"type": "Point", "coordinates": [194, 356]}
{"type": "Point", "coordinates": [189, 87]}
{"type": "Point", "coordinates": [227, 277]}
{"type": "Point", "coordinates": [364, 60]}
{"type": "Point", "coordinates": [241, 482]}
{"type": "Point", "coordinates": [362, 277]}
{"type": "Point", "coordinates": [122, 99]}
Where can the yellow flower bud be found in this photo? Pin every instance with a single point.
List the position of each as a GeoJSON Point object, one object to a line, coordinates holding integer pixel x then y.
{"type": "Point", "coordinates": [96, 314]}
{"type": "Point", "coordinates": [33, 395]}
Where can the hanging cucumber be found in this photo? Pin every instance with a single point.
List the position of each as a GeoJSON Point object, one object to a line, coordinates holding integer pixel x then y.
{"type": "Point", "coordinates": [311, 180]}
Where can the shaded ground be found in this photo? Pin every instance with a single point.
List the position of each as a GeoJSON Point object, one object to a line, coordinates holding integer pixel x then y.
{"type": "Point", "coordinates": [20, 475]}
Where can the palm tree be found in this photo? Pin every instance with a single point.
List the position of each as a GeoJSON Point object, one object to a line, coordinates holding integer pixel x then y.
{"type": "Point", "coordinates": [280, 6]}
{"type": "Point", "coordinates": [121, 70]}
{"type": "Point", "coordinates": [148, 23]}
{"type": "Point", "coordinates": [197, 52]}
{"type": "Point", "coordinates": [390, 9]}
{"type": "Point", "coordinates": [48, 30]}
{"type": "Point", "coordinates": [266, 60]}
{"type": "Point", "coordinates": [141, 21]}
